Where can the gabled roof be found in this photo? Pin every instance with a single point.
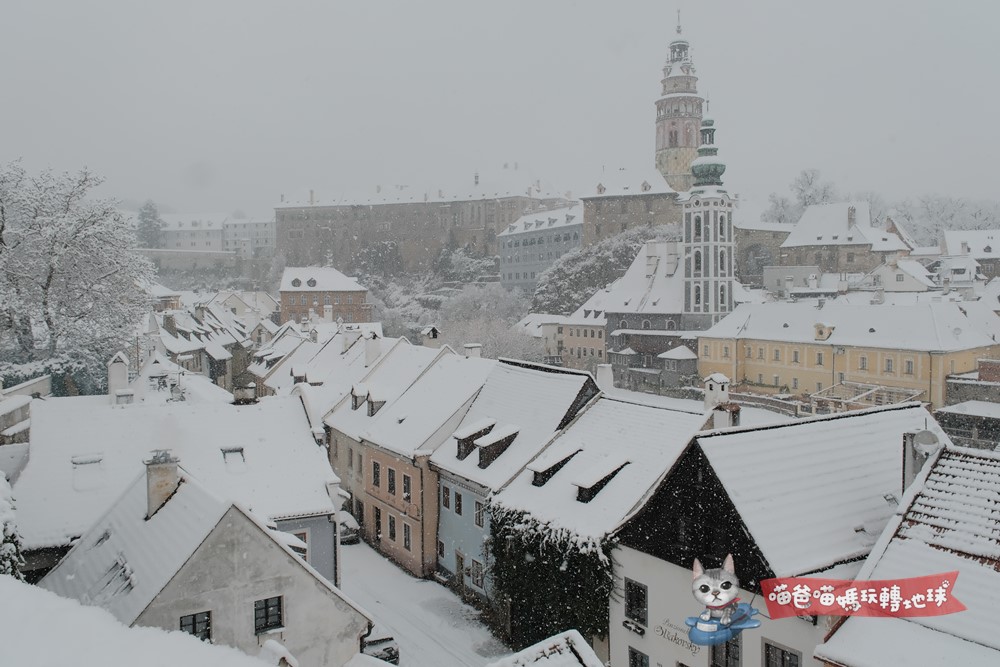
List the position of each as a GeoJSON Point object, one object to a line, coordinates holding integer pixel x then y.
{"type": "Point", "coordinates": [557, 218]}
{"type": "Point", "coordinates": [608, 434]}
{"type": "Point", "coordinates": [979, 243]}
{"type": "Point", "coordinates": [58, 631]}
{"type": "Point", "coordinates": [158, 374]}
{"type": "Point", "coordinates": [85, 451]}
{"type": "Point", "coordinates": [410, 423]}
{"type": "Point", "coordinates": [536, 399]}
{"type": "Point", "coordinates": [317, 279]}
{"type": "Point", "coordinates": [653, 283]}
{"type": "Point", "coordinates": [949, 520]}
{"type": "Point", "coordinates": [830, 225]}
{"type": "Point", "coordinates": [927, 327]}
{"type": "Point", "coordinates": [567, 649]}
{"type": "Point", "coordinates": [833, 474]}
{"type": "Point", "coordinates": [629, 182]}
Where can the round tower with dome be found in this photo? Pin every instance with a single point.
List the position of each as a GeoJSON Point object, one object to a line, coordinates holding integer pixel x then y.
{"type": "Point", "coordinates": [678, 116]}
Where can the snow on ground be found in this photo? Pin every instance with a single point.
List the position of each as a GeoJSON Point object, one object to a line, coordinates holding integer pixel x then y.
{"type": "Point", "coordinates": [430, 623]}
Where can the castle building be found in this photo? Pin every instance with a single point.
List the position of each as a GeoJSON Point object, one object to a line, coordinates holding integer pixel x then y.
{"type": "Point", "coordinates": [678, 116]}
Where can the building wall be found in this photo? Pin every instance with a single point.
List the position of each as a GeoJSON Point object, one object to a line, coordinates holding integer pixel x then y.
{"type": "Point", "coordinates": [670, 602]}
{"type": "Point", "coordinates": [765, 372]}
{"type": "Point", "coordinates": [607, 215]}
{"type": "Point", "coordinates": [525, 255]}
{"type": "Point", "coordinates": [238, 564]}
{"type": "Point", "coordinates": [321, 538]}
{"type": "Point", "coordinates": [755, 249]}
{"type": "Point", "coordinates": [183, 260]}
{"type": "Point", "coordinates": [198, 236]}
{"type": "Point", "coordinates": [833, 259]}
{"type": "Point", "coordinates": [584, 346]}
{"type": "Point", "coordinates": [350, 306]}
{"type": "Point", "coordinates": [459, 534]}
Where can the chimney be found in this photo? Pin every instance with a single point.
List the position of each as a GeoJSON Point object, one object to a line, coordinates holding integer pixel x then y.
{"type": "Point", "coordinates": [851, 214]}
{"type": "Point", "coordinates": [328, 313]}
{"type": "Point", "coordinates": [282, 199]}
{"type": "Point", "coordinates": [349, 337]}
{"type": "Point", "coordinates": [725, 415]}
{"type": "Point", "coordinates": [813, 281]}
{"type": "Point", "coordinates": [312, 197]}
{"type": "Point", "coordinates": [245, 395]}
{"type": "Point", "coordinates": [169, 325]}
{"type": "Point", "coordinates": [477, 178]}
{"type": "Point", "coordinates": [118, 378]}
{"type": "Point", "coordinates": [162, 480]}
{"type": "Point", "coordinates": [605, 377]}
{"type": "Point", "coordinates": [716, 390]}
{"type": "Point", "coordinates": [789, 283]}
{"type": "Point", "coordinates": [473, 350]}
{"type": "Point", "coordinates": [918, 446]}
{"type": "Point", "coordinates": [372, 349]}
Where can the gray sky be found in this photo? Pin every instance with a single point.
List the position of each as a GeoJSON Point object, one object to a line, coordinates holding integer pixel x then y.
{"type": "Point", "coordinates": [213, 106]}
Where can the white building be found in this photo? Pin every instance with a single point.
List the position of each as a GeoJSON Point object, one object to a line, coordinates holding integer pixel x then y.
{"type": "Point", "coordinates": [248, 238]}
{"type": "Point", "coordinates": [533, 243]}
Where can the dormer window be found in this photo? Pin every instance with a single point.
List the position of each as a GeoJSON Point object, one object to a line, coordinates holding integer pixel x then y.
{"type": "Point", "coordinates": [467, 436]}
{"type": "Point", "coordinates": [311, 282]}
{"type": "Point", "coordinates": [296, 282]}
{"type": "Point", "coordinates": [359, 394]}
{"type": "Point", "coordinates": [495, 443]}
{"type": "Point", "coordinates": [587, 489]}
{"type": "Point", "coordinates": [544, 472]}
{"type": "Point", "coordinates": [374, 406]}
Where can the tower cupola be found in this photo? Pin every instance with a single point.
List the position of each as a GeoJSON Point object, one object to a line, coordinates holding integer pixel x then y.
{"type": "Point", "coordinates": [708, 168]}
{"type": "Point", "coordinates": [678, 115]}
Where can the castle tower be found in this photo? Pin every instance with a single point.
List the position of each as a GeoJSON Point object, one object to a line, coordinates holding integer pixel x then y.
{"type": "Point", "coordinates": [678, 116]}
{"type": "Point", "coordinates": [708, 245]}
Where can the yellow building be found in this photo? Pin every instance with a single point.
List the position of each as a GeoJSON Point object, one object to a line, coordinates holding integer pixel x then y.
{"type": "Point", "coordinates": [800, 349]}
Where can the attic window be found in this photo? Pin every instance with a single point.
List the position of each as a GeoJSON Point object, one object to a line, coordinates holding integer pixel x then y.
{"type": "Point", "coordinates": [469, 434]}
{"type": "Point", "coordinates": [233, 455]}
{"type": "Point", "coordinates": [871, 330]}
{"type": "Point", "coordinates": [296, 282]}
{"type": "Point", "coordinates": [585, 494]}
{"type": "Point", "coordinates": [358, 396]}
{"type": "Point", "coordinates": [542, 476]}
{"type": "Point", "coordinates": [495, 443]}
{"type": "Point", "coordinates": [374, 406]}
{"type": "Point", "coordinates": [311, 282]}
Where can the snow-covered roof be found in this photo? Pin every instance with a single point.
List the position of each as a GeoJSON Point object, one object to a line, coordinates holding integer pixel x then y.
{"type": "Point", "coordinates": [979, 243]}
{"type": "Point", "coordinates": [158, 374]}
{"type": "Point", "coordinates": [830, 225]}
{"type": "Point", "coordinates": [280, 377]}
{"type": "Point", "coordinates": [822, 478]}
{"type": "Point", "coordinates": [928, 327]}
{"type": "Point", "coordinates": [84, 452]}
{"type": "Point", "coordinates": [629, 182]}
{"type": "Point", "coordinates": [717, 378]}
{"type": "Point", "coordinates": [567, 649]}
{"type": "Point", "coordinates": [610, 433]}
{"type": "Point", "coordinates": [974, 408]}
{"type": "Point", "coordinates": [537, 398]}
{"type": "Point", "coordinates": [41, 628]}
{"type": "Point", "coordinates": [418, 419]}
{"type": "Point", "coordinates": [680, 353]}
{"type": "Point", "coordinates": [949, 520]}
{"type": "Point", "coordinates": [317, 279]}
{"type": "Point", "coordinates": [748, 416]}
{"type": "Point", "coordinates": [916, 270]}
{"type": "Point", "coordinates": [385, 381]}
{"type": "Point", "coordinates": [557, 218]}
{"type": "Point", "coordinates": [531, 324]}
{"type": "Point", "coordinates": [652, 283]}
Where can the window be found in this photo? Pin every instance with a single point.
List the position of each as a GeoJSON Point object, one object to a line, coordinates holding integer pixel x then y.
{"type": "Point", "coordinates": [407, 486]}
{"type": "Point", "coordinates": [636, 602]}
{"type": "Point", "coordinates": [779, 656]}
{"type": "Point", "coordinates": [908, 366]}
{"type": "Point", "coordinates": [376, 474]}
{"type": "Point", "coordinates": [637, 658]}
{"type": "Point", "coordinates": [445, 497]}
{"type": "Point", "coordinates": [199, 625]}
{"type": "Point", "coordinates": [795, 356]}
{"type": "Point", "coordinates": [888, 365]}
{"type": "Point", "coordinates": [406, 536]}
{"type": "Point", "coordinates": [378, 523]}
{"type": "Point", "coordinates": [726, 655]}
{"type": "Point", "coordinates": [704, 350]}
{"type": "Point", "coordinates": [477, 574]}
{"type": "Point", "coordinates": [440, 549]}
{"type": "Point", "coordinates": [391, 477]}
{"type": "Point", "coordinates": [304, 537]}
{"type": "Point", "coordinates": [899, 277]}
{"type": "Point", "coordinates": [863, 363]}
{"type": "Point", "coordinates": [646, 324]}
{"type": "Point", "coordinates": [725, 351]}
{"type": "Point", "coordinates": [819, 358]}
{"type": "Point", "coordinates": [458, 503]}
{"type": "Point", "coordinates": [760, 353]}
{"type": "Point", "coordinates": [480, 511]}
{"type": "Point", "coordinates": [777, 381]}
{"type": "Point", "coordinates": [266, 614]}
{"type": "Point", "coordinates": [795, 383]}
{"type": "Point", "coordinates": [850, 258]}
{"type": "Point", "coordinates": [392, 528]}
{"type": "Point", "coordinates": [777, 354]}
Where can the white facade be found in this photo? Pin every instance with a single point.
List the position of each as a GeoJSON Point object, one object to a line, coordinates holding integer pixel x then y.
{"type": "Point", "coordinates": [665, 640]}
{"type": "Point", "coordinates": [250, 239]}
{"type": "Point", "coordinates": [708, 258]}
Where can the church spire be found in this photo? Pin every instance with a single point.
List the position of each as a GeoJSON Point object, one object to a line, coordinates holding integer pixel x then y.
{"type": "Point", "coordinates": [678, 114]}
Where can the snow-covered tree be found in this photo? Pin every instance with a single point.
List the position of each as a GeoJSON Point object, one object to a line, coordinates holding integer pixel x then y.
{"type": "Point", "coordinates": [11, 560]}
{"type": "Point", "coordinates": [70, 277]}
{"type": "Point", "coordinates": [149, 228]}
{"type": "Point", "coordinates": [577, 275]}
{"type": "Point", "coordinates": [459, 265]}
{"type": "Point", "coordinates": [807, 189]}
{"type": "Point", "coordinates": [929, 216]}
{"type": "Point", "coordinates": [485, 314]}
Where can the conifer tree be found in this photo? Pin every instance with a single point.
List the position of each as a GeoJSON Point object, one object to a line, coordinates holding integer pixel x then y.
{"type": "Point", "coordinates": [11, 560]}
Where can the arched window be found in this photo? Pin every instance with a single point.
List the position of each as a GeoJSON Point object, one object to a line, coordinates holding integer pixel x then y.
{"type": "Point", "coordinates": [722, 262]}
{"type": "Point", "coordinates": [697, 295]}
{"type": "Point", "coordinates": [722, 296]}
{"type": "Point", "coordinates": [326, 299]}
{"type": "Point", "coordinates": [697, 228]}
{"type": "Point", "coordinates": [697, 261]}
{"type": "Point", "coordinates": [646, 324]}
{"type": "Point", "coordinates": [623, 324]}
{"type": "Point", "coordinates": [722, 228]}
{"type": "Point", "coordinates": [670, 325]}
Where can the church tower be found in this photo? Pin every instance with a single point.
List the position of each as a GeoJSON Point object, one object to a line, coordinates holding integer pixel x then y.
{"type": "Point", "coordinates": [678, 116]}
{"type": "Point", "coordinates": [707, 245]}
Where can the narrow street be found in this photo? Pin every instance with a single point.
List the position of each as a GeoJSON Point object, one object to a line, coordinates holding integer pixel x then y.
{"type": "Point", "coordinates": [430, 623]}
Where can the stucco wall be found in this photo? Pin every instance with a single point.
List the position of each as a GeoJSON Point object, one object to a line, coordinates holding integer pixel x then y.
{"type": "Point", "coordinates": [238, 564]}
{"type": "Point", "coordinates": [670, 602]}
{"type": "Point", "coordinates": [459, 533]}
{"type": "Point", "coordinates": [321, 539]}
